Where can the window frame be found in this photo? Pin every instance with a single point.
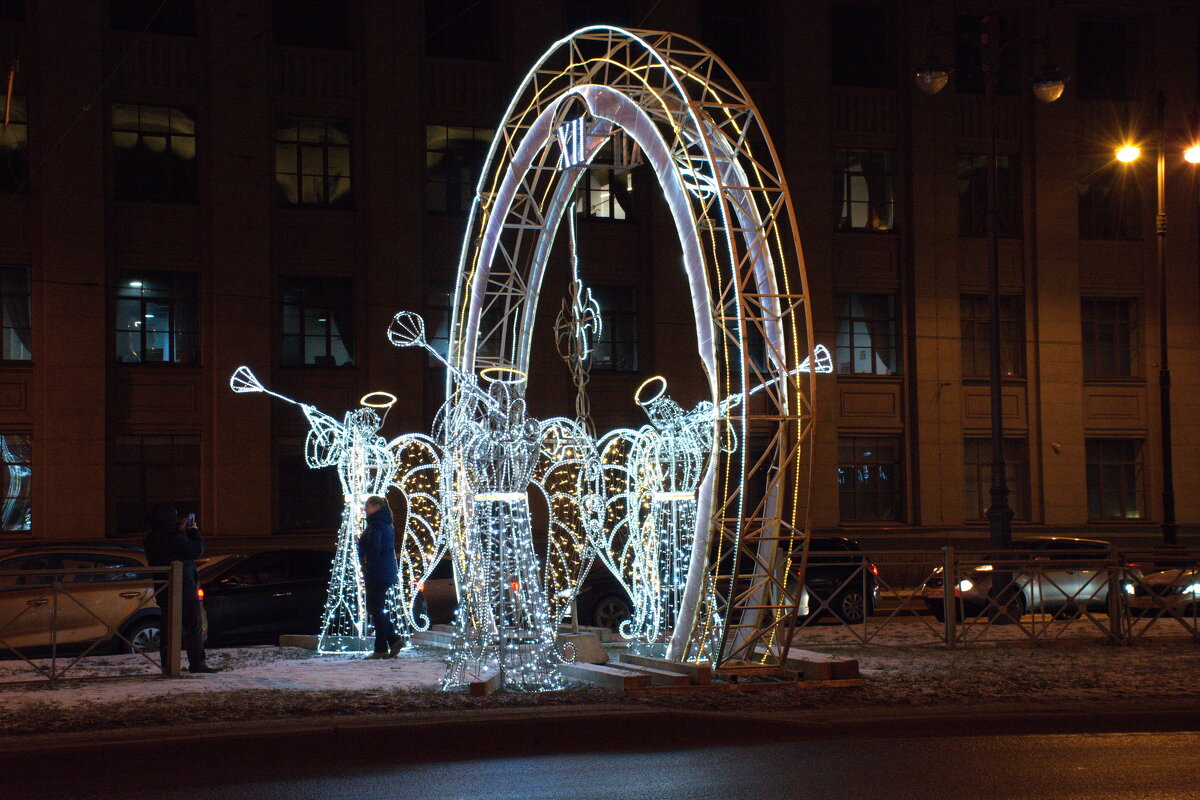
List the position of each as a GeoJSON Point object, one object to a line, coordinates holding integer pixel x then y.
{"type": "Point", "coordinates": [978, 319]}
{"type": "Point", "coordinates": [840, 349]}
{"type": "Point", "coordinates": [1133, 468]}
{"type": "Point", "coordinates": [972, 195]}
{"type": "Point", "coordinates": [171, 468]}
{"type": "Point", "coordinates": [608, 316]}
{"type": "Point", "coordinates": [183, 176]}
{"type": "Point", "coordinates": [604, 165]}
{"type": "Point", "coordinates": [26, 495]}
{"type": "Point", "coordinates": [1132, 350]}
{"type": "Point", "coordinates": [299, 145]}
{"type": "Point", "coordinates": [849, 488]}
{"type": "Point", "coordinates": [844, 160]}
{"type": "Point", "coordinates": [173, 301]}
{"type": "Point", "coordinates": [465, 195]}
{"type": "Point", "coordinates": [308, 286]}
{"type": "Point", "coordinates": [1016, 471]}
{"type": "Point", "coordinates": [18, 121]}
{"type": "Point", "coordinates": [5, 317]}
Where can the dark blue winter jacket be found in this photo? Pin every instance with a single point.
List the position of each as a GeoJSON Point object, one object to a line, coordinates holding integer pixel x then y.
{"type": "Point", "coordinates": [377, 549]}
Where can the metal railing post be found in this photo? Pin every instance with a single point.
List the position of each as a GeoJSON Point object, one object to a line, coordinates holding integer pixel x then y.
{"type": "Point", "coordinates": [1116, 591]}
{"type": "Point", "coordinates": [174, 620]}
{"type": "Point", "coordinates": [54, 632]}
{"type": "Point", "coordinates": [949, 606]}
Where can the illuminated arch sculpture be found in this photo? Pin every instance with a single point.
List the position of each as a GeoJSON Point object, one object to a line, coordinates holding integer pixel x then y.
{"type": "Point", "coordinates": [703, 137]}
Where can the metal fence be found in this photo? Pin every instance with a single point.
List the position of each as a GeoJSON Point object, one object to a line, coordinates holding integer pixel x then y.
{"type": "Point", "coordinates": [53, 619]}
{"type": "Point", "coordinates": [950, 597]}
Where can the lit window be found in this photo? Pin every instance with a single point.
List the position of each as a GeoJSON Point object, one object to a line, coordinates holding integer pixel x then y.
{"type": "Point", "coordinates": [317, 326]}
{"type": "Point", "coordinates": [312, 161]}
{"type": "Point", "coordinates": [16, 333]}
{"type": "Point", "coordinates": [865, 191]}
{"type": "Point", "coordinates": [16, 459]}
{"type": "Point", "coordinates": [454, 157]}
{"type": "Point", "coordinates": [605, 189]}
{"type": "Point", "coordinates": [14, 145]}
{"type": "Point", "coordinates": [154, 153]}
{"type": "Point", "coordinates": [869, 470]}
{"type": "Point", "coordinates": [866, 334]}
{"type": "Point", "coordinates": [157, 318]}
{"type": "Point", "coordinates": [1115, 485]}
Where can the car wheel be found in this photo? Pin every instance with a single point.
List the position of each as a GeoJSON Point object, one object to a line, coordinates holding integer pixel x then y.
{"type": "Point", "coordinates": [1009, 613]}
{"type": "Point", "coordinates": [611, 611]}
{"type": "Point", "coordinates": [851, 606]}
{"type": "Point", "coordinates": [1070, 611]}
{"type": "Point", "coordinates": [939, 612]}
{"type": "Point", "coordinates": [142, 636]}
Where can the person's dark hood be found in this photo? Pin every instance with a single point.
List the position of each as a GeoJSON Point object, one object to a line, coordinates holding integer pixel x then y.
{"type": "Point", "coordinates": [163, 517]}
{"type": "Point", "coordinates": [384, 514]}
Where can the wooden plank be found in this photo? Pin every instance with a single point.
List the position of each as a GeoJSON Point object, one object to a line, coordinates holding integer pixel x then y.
{"type": "Point", "coordinates": [488, 682]}
{"type": "Point", "coordinates": [752, 686]}
{"type": "Point", "coordinates": [619, 680]}
{"type": "Point", "coordinates": [662, 677]}
{"type": "Point", "coordinates": [821, 666]}
{"type": "Point", "coordinates": [699, 672]}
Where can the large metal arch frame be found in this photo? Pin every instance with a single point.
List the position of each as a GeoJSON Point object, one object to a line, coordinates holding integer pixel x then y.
{"type": "Point", "coordinates": [737, 228]}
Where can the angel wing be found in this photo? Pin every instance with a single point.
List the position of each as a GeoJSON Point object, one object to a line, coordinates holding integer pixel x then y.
{"type": "Point", "coordinates": [418, 478]}
{"type": "Point", "coordinates": [565, 471]}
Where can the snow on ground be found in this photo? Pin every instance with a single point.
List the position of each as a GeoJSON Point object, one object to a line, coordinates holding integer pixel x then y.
{"type": "Point", "coordinates": [274, 683]}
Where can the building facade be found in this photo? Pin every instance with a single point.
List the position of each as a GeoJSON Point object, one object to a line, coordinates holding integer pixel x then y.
{"type": "Point", "coordinates": [187, 187]}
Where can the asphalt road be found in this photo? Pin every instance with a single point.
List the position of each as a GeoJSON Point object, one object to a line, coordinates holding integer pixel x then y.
{"type": "Point", "coordinates": [1146, 766]}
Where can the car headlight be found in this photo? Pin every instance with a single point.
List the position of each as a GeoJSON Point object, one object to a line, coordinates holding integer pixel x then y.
{"type": "Point", "coordinates": [984, 568]}
{"type": "Point", "coordinates": [965, 585]}
{"type": "Point", "coordinates": [1129, 589]}
{"type": "Point", "coordinates": [1193, 589]}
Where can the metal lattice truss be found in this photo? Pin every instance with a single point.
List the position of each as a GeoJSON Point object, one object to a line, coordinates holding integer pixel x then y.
{"type": "Point", "coordinates": [704, 139]}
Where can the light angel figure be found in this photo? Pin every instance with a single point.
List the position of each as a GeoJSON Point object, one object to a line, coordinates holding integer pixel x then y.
{"type": "Point", "coordinates": [491, 450]}
{"type": "Point", "coordinates": [366, 465]}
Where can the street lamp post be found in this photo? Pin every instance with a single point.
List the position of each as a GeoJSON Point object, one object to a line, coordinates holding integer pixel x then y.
{"type": "Point", "coordinates": [1128, 153]}
{"type": "Point", "coordinates": [1047, 87]}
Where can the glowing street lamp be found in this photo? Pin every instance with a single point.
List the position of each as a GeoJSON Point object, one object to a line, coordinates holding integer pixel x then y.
{"type": "Point", "coordinates": [1192, 154]}
{"type": "Point", "coordinates": [1128, 153]}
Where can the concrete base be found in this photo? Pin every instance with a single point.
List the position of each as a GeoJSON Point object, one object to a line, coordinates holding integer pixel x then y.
{"type": "Point", "coordinates": [304, 642]}
{"type": "Point", "coordinates": [588, 649]}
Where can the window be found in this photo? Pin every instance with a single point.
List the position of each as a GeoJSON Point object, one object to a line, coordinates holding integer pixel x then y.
{"type": "Point", "coordinates": [16, 509]}
{"type": "Point", "coordinates": [14, 145]}
{"type": "Point", "coordinates": [864, 191]}
{"type": "Point", "coordinates": [866, 334]}
{"type": "Point", "coordinates": [157, 318]}
{"type": "Point", "coordinates": [977, 476]}
{"type": "Point", "coordinates": [968, 57]}
{"type": "Point", "coordinates": [1111, 337]}
{"type": "Point", "coordinates": [16, 334]}
{"type": "Point", "coordinates": [616, 350]}
{"type": "Point", "coordinates": [972, 195]}
{"type": "Point", "coordinates": [461, 29]}
{"type": "Point", "coordinates": [311, 23]}
{"type": "Point", "coordinates": [317, 325]}
{"type": "Point", "coordinates": [439, 294]}
{"type": "Point", "coordinates": [12, 9]}
{"type": "Point", "coordinates": [605, 191]}
{"type": "Point", "coordinates": [453, 159]}
{"type": "Point", "coordinates": [976, 325]}
{"type": "Point", "coordinates": [863, 47]}
{"type": "Point", "coordinates": [177, 17]}
{"type": "Point", "coordinates": [154, 154]}
{"type": "Point", "coordinates": [153, 469]}
{"type": "Point", "coordinates": [869, 478]}
{"type": "Point", "coordinates": [736, 33]}
{"type": "Point", "coordinates": [1110, 201]}
{"type": "Point", "coordinates": [312, 161]}
{"type": "Point", "coordinates": [1104, 61]}
{"type": "Point", "coordinates": [1114, 479]}
{"type": "Point", "coordinates": [308, 499]}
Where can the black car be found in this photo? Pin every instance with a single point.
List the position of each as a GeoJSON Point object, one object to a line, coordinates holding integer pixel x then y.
{"type": "Point", "coordinates": [602, 601]}
{"type": "Point", "coordinates": [839, 577]}
{"type": "Point", "coordinates": [256, 598]}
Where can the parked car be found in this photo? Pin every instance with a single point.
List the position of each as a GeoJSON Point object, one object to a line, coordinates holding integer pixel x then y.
{"type": "Point", "coordinates": [839, 576]}
{"type": "Point", "coordinates": [1165, 592]}
{"type": "Point", "coordinates": [1072, 578]}
{"type": "Point", "coordinates": [116, 608]}
{"type": "Point", "coordinates": [602, 601]}
{"type": "Point", "coordinates": [255, 598]}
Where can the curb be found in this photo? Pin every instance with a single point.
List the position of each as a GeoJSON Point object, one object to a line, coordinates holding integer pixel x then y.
{"type": "Point", "coordinates": [349, 743]}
